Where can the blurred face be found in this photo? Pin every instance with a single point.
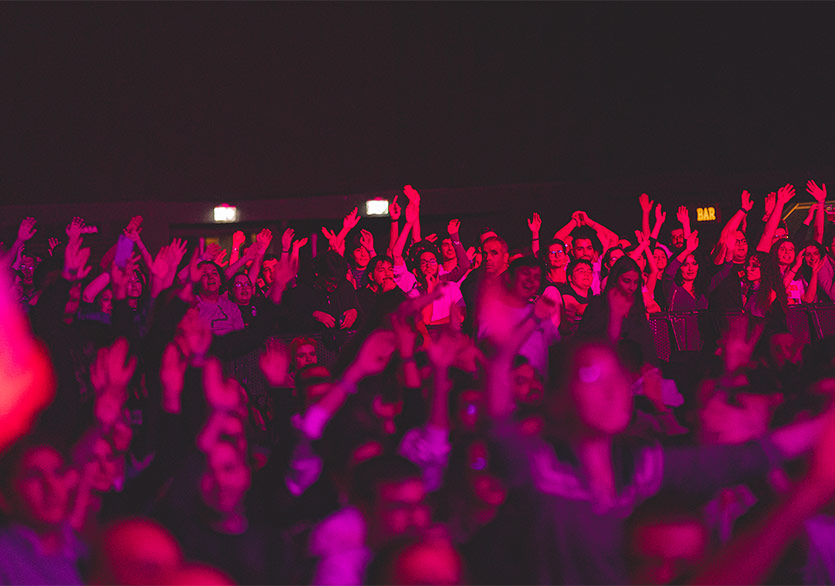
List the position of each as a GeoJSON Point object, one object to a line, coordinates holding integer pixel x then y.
{"type": "Point", "coordinates": [74, 301]}
{"type": "Point", "coordinates": [104, 463]}
{"type": "Point", "coordinates": [601, 392]}
{"type": "Point", "coordinates": [752, 270]}
{"type": "Point", "coordinates": [268, 270]}
{"type": "Point", "coordinates": [401, 510]}
{"type": "Point", "coordinates": [831, 247]}
{"type": "Point", "coordinates": [615, 255]}
{"type": "Point", "coordinates": [740, 247]}
{"type": "Point", "coordinates": [306, 354]}
{"type": "Point", "coordinates": [811, 255]}
{"type": "Point", "coordinates": [226, 480]}
{"type": "Point", "coordinates": [383, 276]}
{"type": "Point", "coordinates": [210, 281]}
{"type": "Point", "coordinates": [677, 238]}
{"type": "Point", "coordinates": [28, 265]}
{"type": "Point", "coordinates": [42, 487]}
{"type": "Point", "coordinates": [690, 268]}
{"type": "Point", "coordinates": [137, 552]}
{"type": "Point", "coordinates": [134, 286]}
{"type": "Point", "coordinates": [495, 258]}
{"type": "Point", "coordinates": [361, 257]}
{"type": "Point", "coordinates": [486, 487]}
{"type": "Point", "coordinates": [583, 249]}
{"type": "Point", "coordinates": [241, 290]}
{"type": "Point", "coordinates": [526, 386]}
{"type": "Point", "coordinates": [786, 253]}
{"type": "Point", "coordinates": [780, 233]}
{"type": "Point", "coordinates": [582, 276]}
{"type": "Point", "coordinates": [469, 409]}
{"type": "Point", "coordinates": [526, 282]}
{"type": "Point", "coordinates": [557, 257]}
{"type": "Point", "coordinates": [660, 259]}
{"type": "Point", "coordinates": [447, 250]}
{"type": "Point", "coordinates": [106, 301]}
{"type": "Point", "coordinates": [629, 282]}
{"type": "Point", "coordinates": [428, 264]}
{"type": "Point", "coordinates": [662, 552]}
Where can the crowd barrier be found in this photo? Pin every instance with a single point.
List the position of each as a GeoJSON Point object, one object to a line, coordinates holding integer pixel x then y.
{"type": "Point", "coordinates": [677, 332]}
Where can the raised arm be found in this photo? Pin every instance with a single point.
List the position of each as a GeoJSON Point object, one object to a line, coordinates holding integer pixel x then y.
{"type": "Point", "coordinates": [95, 287]}
{"type": "Point", "coordinates": [683, 216]}
{"type": "Point", "coordinates": [608, 238]}
{"type": "Point", "coordinates": [721, 248]}
{"type": "Point", "coordinates": [819, 193]}
{"type": "Point", "coordinates": [646, 208]}
{"type": "Point", "coordinates": [660, 218]}
{"type": "Point", "coordinates": [414, 200]}
{"type": "Point", "coordinates": [784, 196]}
{"type": "Point", "coordinates": [397, 249]}
{"type": "Point", "coordinates": [565, 232]}
{"type": "Point", "coordinates": [262, 243]}
{"type": "Point", "coordinates": [238, 238]}
{"type": "Point", "coordinates": [24, 233]}
{"type": "Point", "coordinates": [394, 212]}
{"type": "Point", "coordinates": [463, 262]}
{"type": "Point", "coordinates": [132, 231]}
{"type": "Point", "coordinates": [534, 225]}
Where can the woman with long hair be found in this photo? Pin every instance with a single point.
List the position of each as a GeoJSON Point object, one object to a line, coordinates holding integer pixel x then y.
{"type": "Point", "coordinates": [765, 294]}
{"type": "Point", "coordinates": [680, 277]}
{"type": "Point", "coordinates": [783, 252]}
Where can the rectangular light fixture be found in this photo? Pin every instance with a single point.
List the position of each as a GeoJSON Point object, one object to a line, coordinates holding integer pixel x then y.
{"type": "Point", "coordinates": [225, 213]}
{"type": "Point", "coordinates": [377, 207]}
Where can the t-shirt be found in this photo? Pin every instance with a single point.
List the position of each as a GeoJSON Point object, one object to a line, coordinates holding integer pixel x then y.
{"type": "Point", "coordinates": [223, 316]}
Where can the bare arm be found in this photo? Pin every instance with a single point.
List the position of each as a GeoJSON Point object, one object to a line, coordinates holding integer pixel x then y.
{"type": "Point", "coordinates": [784, 195]}
{"type": "Point", "coordinates": [414, 200]}
{"type": "Point", "coordinates": [646, 208]}
{"type": "Point", "coordinates": [534, 225]}
{"type": "Point", "coordinates": [564, 232]}
{"type": "Point", "coordinates": [95, 287]}
{"type": "Point", "coordinates": [394, 212]}
{"type": "Point", "coordinates": [722, 248]}
{"type": "Point", "coordinates": [660, 218]}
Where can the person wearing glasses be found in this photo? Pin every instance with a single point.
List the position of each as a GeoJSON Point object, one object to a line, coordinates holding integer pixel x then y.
{"type": "Point", "coordinates": [556, 261]}
{"type": "Point", "coordinates": [242, 293]}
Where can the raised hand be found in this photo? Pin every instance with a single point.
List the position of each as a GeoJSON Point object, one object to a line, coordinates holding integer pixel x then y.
{"type": "Point", "coordinates": [535, 223]}
{"type": "Point", "coordinates": [349, 316]}
{"type": "Point", "coordinates": [351, 220]}
{"type": "Point", "coordinates": [330, 235]}
{"type": "Point", "coordinates": [299, 244]}
{"type": "Point", "coordinates": [432, 238]}
{"type": "Point", "coordinates": [411, 193]}
{"type": "Point", "coordinates": [222, 395]}
{"type": "Point", "coordinates": [177, 251]}
{"type": "Point", "coordinates": [660, 216]}
{"type": "Point", "coordinates": [195, 271]}
{"type": "Point", "coordinates": [646, 203]}
{"type": "Point", "coordinates": [112, 370]}
{"type": "Point", "coordinates": [212, 251]}
{"type": "Point", "coordinates": [785, 193]}
{"type": "Point", "coordinates": [412, 213]}
{"type": "Point", "coordinates": [394, 209]}
{"type": "Point", "coordinates": [275, 362]}
{"type": "Point", "coordinates": [53, 242]}
{"type": "Point", "coordinates": [746, 202]}
{"type": "Point", "coordinates": [238, 238]}
{"type": "Point", "coordinates": [220, 259]}
{"type": "Point", "coordinates": [692, 243]}
{"type": "Point", "coordinates": [683, 215]}
{"type": "Point", "coordinates": [325, 319]}
{"type": "Point", "coordinates": [581, 218]}
{"type": "Point", "coordinates": [75, 260]}
{"type": "Point", "coordinates": [819, 193]}
{"type": "Point", "coordinates": [26, 229]}
{"type": "Point", "coordinates": [367, 240]}
{"type": "Point", "coordinates": [287, 239]}
{"type": "Point", "coordinates": [133, 228]}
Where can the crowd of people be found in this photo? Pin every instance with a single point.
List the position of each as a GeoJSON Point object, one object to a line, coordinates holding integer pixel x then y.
{"type": "Point", "coordinates": [495, 414]}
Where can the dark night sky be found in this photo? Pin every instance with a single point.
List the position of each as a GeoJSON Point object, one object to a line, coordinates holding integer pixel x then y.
{"type": "Point", "coordinates": [192, 101]}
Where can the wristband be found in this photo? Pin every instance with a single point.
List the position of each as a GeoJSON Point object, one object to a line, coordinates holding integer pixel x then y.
{"type": "Point", "coordinates": [535, 239]}
{"type": "Point", "coordinates": [744, 211]}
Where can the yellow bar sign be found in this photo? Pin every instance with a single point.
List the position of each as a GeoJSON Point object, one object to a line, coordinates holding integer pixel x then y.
{"type": "Point", "coordinates": [706, 214]}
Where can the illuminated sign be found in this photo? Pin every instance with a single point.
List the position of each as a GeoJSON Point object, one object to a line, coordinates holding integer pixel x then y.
{"type": "Point", "coordinates": [377, 207]}
{"type": "Point", "coordinates": [706, 214]}
{"type": "Point", "coordinates": [226, 213]}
